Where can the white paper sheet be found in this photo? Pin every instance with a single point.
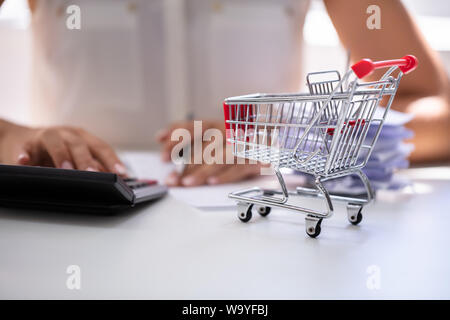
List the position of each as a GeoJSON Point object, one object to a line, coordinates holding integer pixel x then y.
{"type": "Point", "coordinates": [393, 118]}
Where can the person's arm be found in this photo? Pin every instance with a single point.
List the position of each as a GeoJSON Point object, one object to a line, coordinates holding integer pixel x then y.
{"type": "Point", "coordinates": [424, 92]}
{"type": "Point", "coordinates": [58, 146]}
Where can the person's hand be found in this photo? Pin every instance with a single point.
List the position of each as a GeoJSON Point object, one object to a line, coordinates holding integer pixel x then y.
{"type": "Point", "coordinates": [60, 147]}
{"type": "Point", "coordinates": [201, 174]}
{"type": "Point", "coordinates": [212, 174]}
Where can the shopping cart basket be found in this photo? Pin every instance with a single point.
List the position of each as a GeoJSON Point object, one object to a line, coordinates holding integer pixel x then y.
{"type": "Point", "coordinates": [321, 134]}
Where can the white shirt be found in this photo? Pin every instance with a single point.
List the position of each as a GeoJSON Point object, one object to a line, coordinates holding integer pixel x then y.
{"type": "Point", "coordinates": [136, 65]}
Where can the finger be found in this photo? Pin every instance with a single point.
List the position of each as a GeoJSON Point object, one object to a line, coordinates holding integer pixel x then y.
{"type": "Point", "coordinates": [98, 165]}
{"type": "Point", "coordinates": [54, 144]}
{"type": "Point", "coordinates": [200, 175]}
{"type": "Point", "coordinates": [103, 153]}
{"type": "Point", "coordinates": [173, 179]}
{"type": "Point", "coordinates": [234, 173]}
{"type": "Point", "coordinates": [81, 154]}
{"type": "Point", "coordinates": [23, 158]}
{"type": "Point", "coordinates": [19, 156]}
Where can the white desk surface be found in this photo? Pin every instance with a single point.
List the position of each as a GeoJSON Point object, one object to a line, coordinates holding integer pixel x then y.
{"type": "Point", "coordinates": [169, 250]}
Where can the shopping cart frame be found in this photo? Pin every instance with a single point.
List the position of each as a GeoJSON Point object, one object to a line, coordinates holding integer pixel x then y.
{"type": "Point", "coordinates": [323, 94]}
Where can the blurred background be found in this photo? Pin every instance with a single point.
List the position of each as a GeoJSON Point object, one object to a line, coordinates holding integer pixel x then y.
{"type": "Point", "coordinates": [321, 48]}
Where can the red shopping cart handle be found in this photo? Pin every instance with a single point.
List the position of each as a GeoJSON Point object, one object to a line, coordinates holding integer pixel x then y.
{"type": "Point", "coordinates": [351, 123]}
{"type": "Point", "coordinates": [365, 67]}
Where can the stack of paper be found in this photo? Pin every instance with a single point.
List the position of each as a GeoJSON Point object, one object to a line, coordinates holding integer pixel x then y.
{"type": "Point", "coordinates": [389, 154]}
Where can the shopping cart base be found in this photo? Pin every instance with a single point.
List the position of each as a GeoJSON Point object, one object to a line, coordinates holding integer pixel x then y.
{"type": "Point", "coordinates": [265, 199]}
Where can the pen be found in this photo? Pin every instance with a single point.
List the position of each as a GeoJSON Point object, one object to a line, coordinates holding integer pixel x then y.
{"type": "Point", "coordinates": [181, 166]}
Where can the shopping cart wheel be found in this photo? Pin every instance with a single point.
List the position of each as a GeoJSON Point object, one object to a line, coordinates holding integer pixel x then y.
{"type": "Point", "coordinates": [313, 226]}
{"type": "Point", "coordinates": [268, 193]}
{"type": "Point", "coordinates": [264, 211]}
{"type": "Point", "coordinates": [245, 211]}
{"type": "Point", "coordinates": [354, 213]}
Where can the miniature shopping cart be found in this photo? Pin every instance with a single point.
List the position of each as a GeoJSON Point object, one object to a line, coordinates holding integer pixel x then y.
{"type": "Point", "coordinates": [322, 134]}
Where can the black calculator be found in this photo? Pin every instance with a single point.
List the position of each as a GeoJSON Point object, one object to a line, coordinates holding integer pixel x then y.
{"type": "Point", "coordinates": [45, 188]}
